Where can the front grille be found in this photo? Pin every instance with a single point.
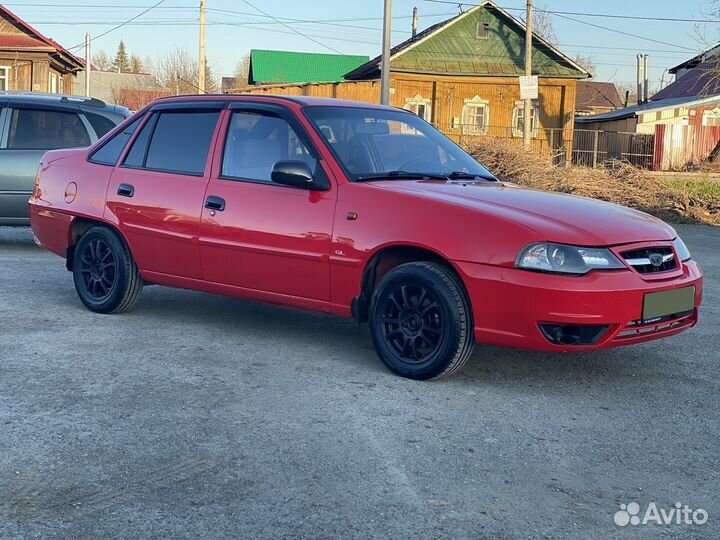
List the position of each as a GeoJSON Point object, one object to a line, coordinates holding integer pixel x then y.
{"type": "Point", "coordinates": [651, 260]}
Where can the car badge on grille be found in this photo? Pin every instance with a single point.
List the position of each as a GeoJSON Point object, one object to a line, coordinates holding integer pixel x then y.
{"type": "Point", "coordinates": [656, 259]}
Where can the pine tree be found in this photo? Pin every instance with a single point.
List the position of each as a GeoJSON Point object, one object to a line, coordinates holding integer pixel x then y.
{"type": "Point", "coordinates": [136, 65]}
{"type": "Point", "coordinates": [121, 63]}
{"type": "Point", "coordinates": [210, 81]}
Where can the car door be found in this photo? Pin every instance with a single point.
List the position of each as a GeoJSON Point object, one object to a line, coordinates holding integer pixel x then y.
{"type": "Point", "coordinates": [30, 130]}
{"type": "Point", "coordinates": [156, 194]}
{"type": "Point", "coordinates": [257, 234]}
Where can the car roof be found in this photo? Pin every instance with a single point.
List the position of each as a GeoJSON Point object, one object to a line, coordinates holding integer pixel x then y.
{"type": "Point", "coordinates": [60, 99]}
{"type": "Point", "coordinates": [300, 100]}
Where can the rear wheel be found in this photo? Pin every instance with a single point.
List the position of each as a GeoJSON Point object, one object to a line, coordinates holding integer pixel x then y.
{"type": "Point", "coordinates": [106, 277]}
{"type": "Point", "coordinates": [421, 322]}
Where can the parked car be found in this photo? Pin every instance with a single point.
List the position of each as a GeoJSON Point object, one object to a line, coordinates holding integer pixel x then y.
{"type": "Point", "coordinates": [358, 210]}
{"type": "Point", "coordinates": [30, 125]}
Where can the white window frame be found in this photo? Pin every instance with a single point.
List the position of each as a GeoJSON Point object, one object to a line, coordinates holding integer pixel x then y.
{"type": "Point", "coordinates": [413, 105]}
{"type": "Point", "coordinates": [52, 77]}
{"type": "Point", "coordinates": [5, 76]}
{"type": "Point", "coordinates": [469, 116]}
{"type": "Point", "coordinates": [534, 116]}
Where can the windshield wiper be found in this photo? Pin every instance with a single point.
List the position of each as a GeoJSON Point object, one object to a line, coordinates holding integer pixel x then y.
{"type": "Point", "coordinates": [400, 175]}
{"type": "Point", "coordinates": [460, 175]}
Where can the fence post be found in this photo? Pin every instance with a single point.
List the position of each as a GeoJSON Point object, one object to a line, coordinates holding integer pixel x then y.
{"type": "Point", "coordinates": [595, 149]}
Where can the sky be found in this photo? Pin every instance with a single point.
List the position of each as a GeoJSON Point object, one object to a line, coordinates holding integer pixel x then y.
{"type": "Point", "coordinates": [354, 27]}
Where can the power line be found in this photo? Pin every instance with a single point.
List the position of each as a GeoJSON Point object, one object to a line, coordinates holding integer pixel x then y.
{"type": "Point", "coordinates": [291, 28]}
{"type": "Point", "coordinates": [119, 25]}
{"type": "Point", "coordinates": [586, 14]}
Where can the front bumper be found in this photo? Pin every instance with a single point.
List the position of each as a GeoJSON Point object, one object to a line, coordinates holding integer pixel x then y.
{"type": "Point", "coordinates": [509, 304]}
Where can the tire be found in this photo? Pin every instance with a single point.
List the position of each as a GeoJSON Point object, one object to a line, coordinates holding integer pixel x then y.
{"type": "Point", "coordinates": [421, 321]}
{"type": "Point", "coordinates": [105, 274]}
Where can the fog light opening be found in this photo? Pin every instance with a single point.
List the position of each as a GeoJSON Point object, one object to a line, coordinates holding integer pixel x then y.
{"type": "Point", "coordinates": [571, 334]}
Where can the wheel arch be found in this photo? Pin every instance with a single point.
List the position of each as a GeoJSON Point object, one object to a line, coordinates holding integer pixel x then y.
{"type": "Point", "coordinates": [383, 260]}
{"type": "Point", "coordinates": [79, 227]}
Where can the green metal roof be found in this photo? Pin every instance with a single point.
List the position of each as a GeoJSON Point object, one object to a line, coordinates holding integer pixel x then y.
{"type": "Point", "coordinates": [484, 41]}
{"type": "Point", "coordinates": [268, 67]}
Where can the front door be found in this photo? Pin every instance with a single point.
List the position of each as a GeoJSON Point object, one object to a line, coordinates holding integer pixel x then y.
{"type": "Point", "coordinates": [266, 237]}
{"type": "Point", "coordinates": [156, 195]}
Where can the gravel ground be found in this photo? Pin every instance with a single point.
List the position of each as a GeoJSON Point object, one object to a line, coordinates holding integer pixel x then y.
{"type": "Point", "coordinates": [202, 416]}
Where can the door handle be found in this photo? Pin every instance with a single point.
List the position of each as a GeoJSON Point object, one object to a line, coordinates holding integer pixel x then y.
{"type": "Point", "coordinates": [215, 203]}
{"type": "Point", "coordinates": [126, 190]}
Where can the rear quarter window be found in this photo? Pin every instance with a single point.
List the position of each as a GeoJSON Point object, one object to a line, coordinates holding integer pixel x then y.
{"type": "Point", "coordinates": [109, 153]}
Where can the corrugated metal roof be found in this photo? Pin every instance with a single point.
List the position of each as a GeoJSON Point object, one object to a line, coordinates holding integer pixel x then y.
{"type": "Point", "coordinates": [268, 67]}
{"type": "Point", "coordinates": [651, 106]}
{"type": "Point", "coordinates": [596, 94]}
{"type": "Point", "coordinates": [19, 41]}
{"type": "Point", "coordinates": [452, 47]}
{"type": "Point", "coordinates": [700, 81]}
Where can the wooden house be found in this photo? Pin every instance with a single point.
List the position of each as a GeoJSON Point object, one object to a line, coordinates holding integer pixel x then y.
{"type": "Point", "coordinates": [462, 75]}
{"type": "Point", "coordinates": [31, 62]}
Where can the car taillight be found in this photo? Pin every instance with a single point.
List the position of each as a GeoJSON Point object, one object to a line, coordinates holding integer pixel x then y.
{"type": "Point", "coordinates": [36, 186]}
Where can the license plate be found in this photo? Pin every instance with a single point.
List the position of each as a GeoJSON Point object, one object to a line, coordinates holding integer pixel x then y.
{"type": "Point", "coordinates": [662, 304]}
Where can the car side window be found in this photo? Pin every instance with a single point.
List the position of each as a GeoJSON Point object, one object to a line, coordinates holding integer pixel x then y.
{"type": "Point", "coordinates": [179, 143]}
{"type": "Point", "coordinates": [38, 129]}
{"type": "Point", "coordinates": [101, 124]}
{"type": "Point", "coordinates": [109, 153]}
{"type": "Point", "coordinates": [255, 141]}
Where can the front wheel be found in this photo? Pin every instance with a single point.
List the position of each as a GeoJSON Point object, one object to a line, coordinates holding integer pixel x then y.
{"type": "Point", "coordinates": [106, 277]}
{"type": "Point", "coordinates": [421, 321]}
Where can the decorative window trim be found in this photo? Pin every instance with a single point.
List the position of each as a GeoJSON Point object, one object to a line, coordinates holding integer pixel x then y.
{"type": "Point", "coordinates": [534, 119]}
{"type": "Point", "coordinates": [5, 76]}
{"type": "Point", "coordinates": [482, 30]}
{"type": "Point", "coordinates": [470, 128]}
{"type": "Point", "coordinates": [412, 104]}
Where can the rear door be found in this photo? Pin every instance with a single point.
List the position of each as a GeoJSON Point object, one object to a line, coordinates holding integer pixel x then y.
{"type": "Point", "coordinates": [29, 131]}
{"type": "Point", "coordinates": [156, 194]}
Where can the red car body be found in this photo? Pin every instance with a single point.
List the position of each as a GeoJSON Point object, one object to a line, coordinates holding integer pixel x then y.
{"type": "Point", "coordinates": [313, 249]}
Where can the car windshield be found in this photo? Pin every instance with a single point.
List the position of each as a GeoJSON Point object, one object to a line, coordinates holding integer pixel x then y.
{"type": "Point", "coordinates": [384, 143]}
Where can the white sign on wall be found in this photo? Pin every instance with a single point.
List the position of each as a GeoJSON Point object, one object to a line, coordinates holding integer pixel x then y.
{"type": "Point", "coordinates": [529, 87]}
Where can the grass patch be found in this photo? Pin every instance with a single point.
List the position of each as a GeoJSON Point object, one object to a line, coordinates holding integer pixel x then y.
{"type": "Point", "coordinates": [673, 200]}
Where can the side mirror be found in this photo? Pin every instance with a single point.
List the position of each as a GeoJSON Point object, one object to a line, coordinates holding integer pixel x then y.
{"type": "Point", "coordinates": [297, 174]}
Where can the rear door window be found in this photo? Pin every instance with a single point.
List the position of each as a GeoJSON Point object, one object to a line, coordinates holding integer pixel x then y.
{"type": "Point", "coordinates": [109, 153]}
{"type": "Point", "coordinates": [181, 141]}
{"type": "Point", "coordinates": [44, 129]}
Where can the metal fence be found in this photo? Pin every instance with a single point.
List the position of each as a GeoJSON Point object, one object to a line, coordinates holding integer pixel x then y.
{"type": "Point", "coordinates": [669, 148]}
{"type": "Point", "coordinates": [592, 148]}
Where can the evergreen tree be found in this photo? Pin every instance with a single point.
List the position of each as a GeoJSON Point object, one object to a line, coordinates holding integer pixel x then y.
{"type": "Point", "coordinates": [136, 65]}
{"type": "Point", "coordinates": [121, 62]}
{"type": "Point", "coordinates": [210, 81]}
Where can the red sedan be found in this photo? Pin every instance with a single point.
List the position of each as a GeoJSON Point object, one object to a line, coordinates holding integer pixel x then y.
{"type": "Point", "coordinates": [357, 210]}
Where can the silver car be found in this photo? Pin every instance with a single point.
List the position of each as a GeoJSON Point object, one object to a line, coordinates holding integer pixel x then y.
{"type": "Point", "coordinates": [30, 125]}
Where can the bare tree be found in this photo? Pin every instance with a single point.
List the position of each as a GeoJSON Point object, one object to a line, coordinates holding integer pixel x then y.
{"type": "Point", "coordinates": [101, 60]}
{"type": "Point", "coordinates": [136, 65]}
{"type": "Point", "coordinates": [242, 71]}
{"type": "Point", "coordinates": [543, 26]}
{"type": "Point", "coordinates": [586, 62]}
{"type": "Point", "coordinates": [177, 71]}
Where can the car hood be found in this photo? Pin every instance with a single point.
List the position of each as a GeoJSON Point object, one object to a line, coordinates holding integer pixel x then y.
{"type": "Point", "coordinates": [557, 217]}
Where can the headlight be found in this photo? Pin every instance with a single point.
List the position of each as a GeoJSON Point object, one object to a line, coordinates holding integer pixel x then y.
{"type": "Point", "coordinates": [681, 249]}
{"type": "Point", "coordinates": [547, 257]}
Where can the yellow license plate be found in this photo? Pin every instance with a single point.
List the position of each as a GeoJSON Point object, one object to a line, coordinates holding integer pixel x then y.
{"type": "Point", "coordinates": [673, 302]}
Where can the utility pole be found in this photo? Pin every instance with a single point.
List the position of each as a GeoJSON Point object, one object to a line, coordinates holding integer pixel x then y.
{"type": "Point", "coordinates": [385, 62]}
{"type": "Point", "coordinates": [527, 104]}
{"type": "Point", "coordinates": [639, 79]}
{"type": "Point", "coordinates": [646, 76]}
{"type": "Point", "coordinates": [202, 60]}
{"type": "Point", "coordinates": [88, 66]}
